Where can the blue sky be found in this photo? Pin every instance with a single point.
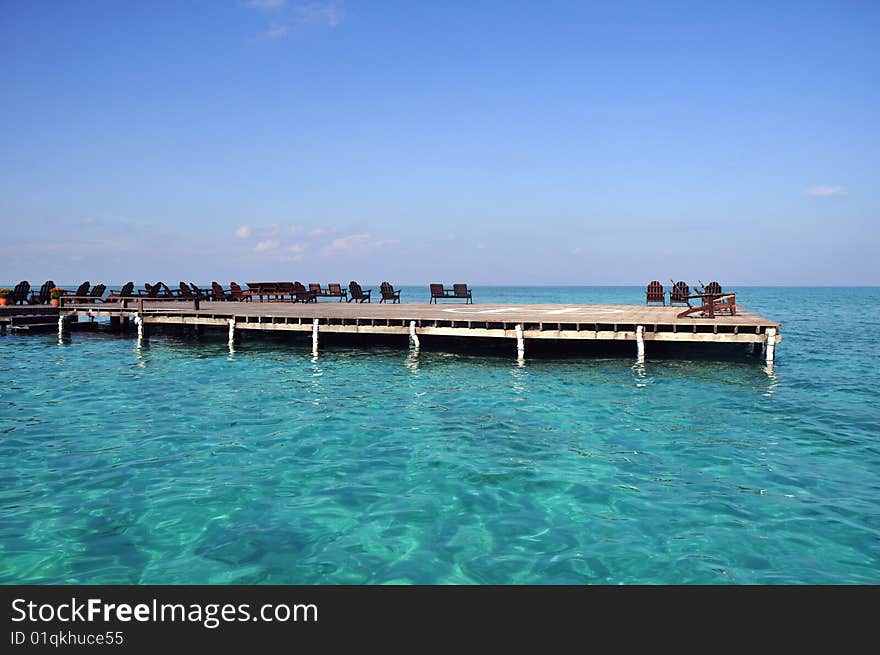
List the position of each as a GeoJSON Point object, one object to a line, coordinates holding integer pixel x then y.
{"type": "Point", "coordinates": [488, 142]}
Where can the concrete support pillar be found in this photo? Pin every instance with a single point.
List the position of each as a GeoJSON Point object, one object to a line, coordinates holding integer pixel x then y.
{"type": "Point", "coordinates": [231, 332]}
{"type": "Point", "coordinates": [142, 334]}
{"type": "Point", "coordinates": [520, 342]}
{"type": "Point", "coordinates": [640, 342]}
{"type": "Point", "coordinates": [413, 337]}
{"type": "Point", "coordinates": [315, 336]}
{"type": "Point", "coordinates": [771, 344]}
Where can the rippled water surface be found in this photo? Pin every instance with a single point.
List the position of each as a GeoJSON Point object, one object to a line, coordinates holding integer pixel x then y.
{"type": "Point", "coordinates": [182, 463]}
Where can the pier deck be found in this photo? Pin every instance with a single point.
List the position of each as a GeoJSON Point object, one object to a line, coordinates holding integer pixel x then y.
{"type": "Point", "coordinates": [520, 321]}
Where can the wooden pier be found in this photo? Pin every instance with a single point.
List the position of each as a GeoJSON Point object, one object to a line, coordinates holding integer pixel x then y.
{"type": "Point", "coordinates": [517, 322]}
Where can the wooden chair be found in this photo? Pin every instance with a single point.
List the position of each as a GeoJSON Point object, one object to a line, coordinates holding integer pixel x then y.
{"type": "Point", "coordinates": [184, 291]}
{"type": "Point", "coordinates": [713, 289]}
{"type": "Point", "coordinates": [201, 294]}
{"type": "Point", "coordinates": [437, 291]}
{"type": "Point", "coordinates": [388, 293]}
{"type": "Point", "coordinates": [462, 291]}
{"type": "Point", "coordinates": [44, 297]}
{"type": "Point", "coordinates": [218, 292]}
{"type": "Point", "coordinates": [20, 293]}
{"type": "Point", "coordinates": [97, 293]}
{"type": "Point", "coordinates": [238, 294]}
{"type": "Point", "coordinates": [150, 290]}
{"type": "Point", "coordinates": [654, 293]}
{"type": "Point", "coordinates": [712, 305]}
{"type": "Point", "coordinates": [127, 291]}
{"type": "Point", "coordinates": [679, 294]}
{"type": "Point", "coordinates": [357, 294]}
{"type": "Point", "coordinates": [335, 290]}
{"type": "Point", "coordinates": [301, 294]}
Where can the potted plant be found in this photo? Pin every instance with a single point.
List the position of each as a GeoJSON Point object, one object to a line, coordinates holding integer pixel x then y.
{"type": "Point", "coordinates": [4, 296]}
{"type": "Point", "coordinates": [56, 294]}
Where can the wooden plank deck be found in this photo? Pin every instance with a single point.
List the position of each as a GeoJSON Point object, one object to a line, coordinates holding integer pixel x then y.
{"type": "Point", "coordinates": [537, 321]}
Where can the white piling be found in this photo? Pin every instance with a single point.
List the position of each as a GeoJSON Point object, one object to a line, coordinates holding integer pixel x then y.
{"type": "Point", "coordinates": [413, 337]}
{"type": "Point", "coordinates": [771, 344]}
{"type": "Point", "coordinates": [231, 332]}
{"type": "Point", "coordinates": [640, 343]}
{"type": "Point", "coordinates": [315, 336]}
{"type": "Point", "coordinates": [520, 342]}
{"type": "Point", "coordinates": [62, 326]}
{"type": "Point", "coordinates": [139, 322]}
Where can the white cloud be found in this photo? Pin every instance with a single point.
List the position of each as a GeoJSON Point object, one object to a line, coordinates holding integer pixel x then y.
{"type": "Point", "coordinates": [265, 5]}
{"type": "Point", "coordinates": [823, 191]}
{"type": "Point", "coordinates": [296, 247]}
{"type": "Point", "coordinates": [386, 242]}
{"type": "Point", "coordinates": [268, 244]}
{"type": "Point", "coordinates": [481, 246]}
{"type": "Point", "coordinates": [318, 231]}
{"type": "Point", "coordinates": [346, 243]}
{"type": "Point", "coordinates": [323, 13]}
{"type": "Point", "coordinates": [243, 232]}
{"type": "Point", "coordinates": [451, 236]}
{"type": "Point", "coordinates": [277, 31]}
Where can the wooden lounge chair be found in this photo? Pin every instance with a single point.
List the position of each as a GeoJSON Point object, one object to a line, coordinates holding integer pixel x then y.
{"type": "Point", "coordinates": [184, 291]}
{"type": "Point", "coordinates": [458, 291]}
{"type": "Point", "coordinates": [201, 294]}
{"type": "Point", "coordinates": [437, 291]}
{"type": "Point", "coordinates": [238, 293]}
{"type": "Point", "coordinates": [301, 294]}
{"type": "Point", "coordinates": [654, 293]}
{"type": "Point", "coordinates": [20, 293]}
{"type": "Point", "coordinates": [150, 290]}
{"type": "Point", "coordinates": [679, 294]}
{"type": "Point", "coordinates": [335, 290]}
{"type": "Point", "coordinates": [357, 294]}
{"type": "Point", "coordinates": [44, 296]}
{"type": "Point", "coordinates": [388, 293]}
{"type": "Point", "coordinates": [127, 291]}
{"type": "Point", "coordinates": [218, 292]}
{"type": "Point", "coordinates": [97, 293]}
{"type": "Point", "coordinates": [711, 305]}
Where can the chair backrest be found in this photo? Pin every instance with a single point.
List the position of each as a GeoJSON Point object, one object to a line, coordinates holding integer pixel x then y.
{"type": "Point", "coordinates": [680, 291]}
{"type": "Point", "coordinates": [436, 289]}
{"type": "Point", "coordinates": [387, 290]}
{"type": "Point", "coordinates": [713, 289]}
{"type": "Point", "coordinates": [196, 290]}
{"type": "Point", "coordinates": [21, 291]}
{"type": "Point", "coordinates": [654, 292]}
{"type": "Point", "coordinates": [298, 287]}
{"type": "Point", "coordinates": [185, 291]}
{"type": "Point", "coordinates": [83, 289]}
{"type": "Point", "coordinates": [164, 290]}
{"type": "Point", "coordinates": [218, 290]}
{"type": "Point", "coordinates": [46, 292]}
{"type": "Point", "coordinates": [460, 290]}
{"type": "Point", "coordinates": [314, 286]}
{"type": "Point", "coordinates": [335, 288]}
{"type": "Point", "coordinates": [127, 290]}
{"type": "Point", "coordinates": [98, 290]}
{"type": "Point", "coordinates": [235, 290]}
{"type": "Point", "coordinates": [355, 288]}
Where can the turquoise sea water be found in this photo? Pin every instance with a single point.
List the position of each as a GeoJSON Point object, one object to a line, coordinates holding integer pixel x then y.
{"type": "Point", "coordinates": [182, 463]}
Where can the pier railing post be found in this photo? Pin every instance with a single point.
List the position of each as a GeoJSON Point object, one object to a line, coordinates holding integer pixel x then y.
{"type": "Point", "coordinates": [771, 344]}
{"type": "Point", "coordinates": [315, 336]}
{"type": "Point", "coordinates": [520, 342]}
{"type": "Point", "coordinates": [640, 342]}
{"type": "Point", "coordinates": [413, 337]}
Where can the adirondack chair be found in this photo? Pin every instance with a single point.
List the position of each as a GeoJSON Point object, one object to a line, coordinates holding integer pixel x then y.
{"type": "Point", "coordinates": [388, 293]}
{"type": "Point", "coordinates": [184, 291]}
{"type": "Point", "coordinates": [357, 294]}
{"type": "Point", "coordinates": [97, 293]}
{"type": "Point", "coordinates": [679, 294]}
{"type": "Point", "coordinates": [301, 294]}
{"type": "Point", "coordinates": [19, 295]}
{"type": "Point", "coordinates": [201, 294]}
{"type": "Point", "coordinates": [712, 289]}
{"type": "Point", "coordinates": [127, 291]}
{"type": "Point", "coordinates": [712, 305]}
{"type": "Point", "coordinates": [238, 293]}
{"type": "Point", "coordinates": [654, 293]}
{"type": "Point", "coordinates": [335, 290]}
{"type": "Point", "coordinates": [44, 296]}
{"type": "Point", "coordinates": [218, 292]}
